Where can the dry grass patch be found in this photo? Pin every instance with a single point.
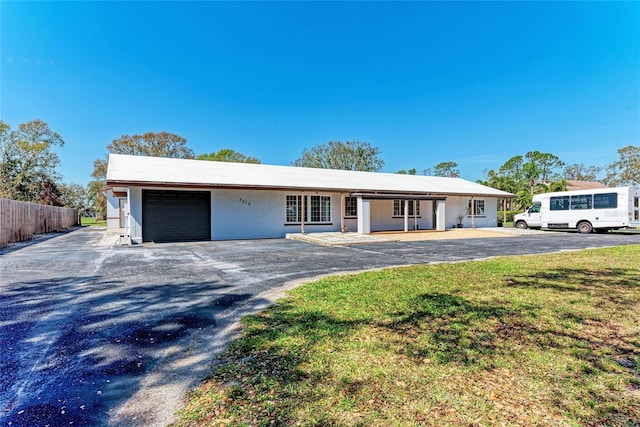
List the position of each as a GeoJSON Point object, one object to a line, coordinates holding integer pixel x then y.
{"type": "Point", "coordinates": [537, 340]}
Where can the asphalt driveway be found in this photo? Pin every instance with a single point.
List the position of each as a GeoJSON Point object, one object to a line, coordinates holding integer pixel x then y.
{"type": "Point", "coordinates": [100, 335]}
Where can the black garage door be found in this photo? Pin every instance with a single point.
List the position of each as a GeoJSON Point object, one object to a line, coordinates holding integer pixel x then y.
{"type": "Point", "coordinates": [170, 216]}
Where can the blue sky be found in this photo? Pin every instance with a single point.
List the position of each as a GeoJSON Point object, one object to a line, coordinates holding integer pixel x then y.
{"type": "Point", "coordinates": [426, 82]}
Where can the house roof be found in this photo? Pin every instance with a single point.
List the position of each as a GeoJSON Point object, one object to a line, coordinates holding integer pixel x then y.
{"type": "Point", "coordinates": [583, 185]}
{"type": "Point", "coordinates": [126, 170]}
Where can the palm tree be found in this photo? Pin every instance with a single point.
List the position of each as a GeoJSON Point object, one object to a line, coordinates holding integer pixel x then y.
{"type": "Point", "coordinates": [558, 185]}
{"type": "Point", "coordinates": [523, 199]}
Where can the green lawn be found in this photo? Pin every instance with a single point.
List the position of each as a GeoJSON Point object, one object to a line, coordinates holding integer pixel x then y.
{"type": "Point", "coordinates": [88, 221]}
{"type": "Point", "coordinates": [535, 340]}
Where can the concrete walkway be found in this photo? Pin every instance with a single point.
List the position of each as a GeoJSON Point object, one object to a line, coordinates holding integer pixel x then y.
{"type": "Point", "coordinates": [341, 239]}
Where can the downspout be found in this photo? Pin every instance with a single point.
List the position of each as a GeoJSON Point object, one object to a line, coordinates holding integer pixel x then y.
{"type": "Point", "coordinates": [302, 214]}
{"type": "Point", "coordinates": [342, 226]}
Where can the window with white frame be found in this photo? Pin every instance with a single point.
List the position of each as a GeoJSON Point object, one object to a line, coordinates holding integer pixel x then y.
{"type": "Point", "coordinates": [350, 206]}
{"type": "Point", "coordinates": [317, 209]}
{"type": "Point", "coordinates": [398, 207]}
{"type": "Point", "coordinates": [478, 208]}
{"type": "Point", "coordinates": [294, 208]}
{"type": "Point", "coordinates": [320, 208]}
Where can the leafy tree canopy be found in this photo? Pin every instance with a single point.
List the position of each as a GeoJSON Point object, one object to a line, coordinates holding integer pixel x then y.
{"type": "Point", "coordinates": [544, 164]}
{"type": "Point", "coordinates": [448, 169]}
{"type": "Point", "coordinates": [580, 172]}
{"type": "Point", "coordinates": [228, 155]}
{"type": "Point", "coordinates": [349, 155]}
{"type": "Point", "coordinates": [626, 170]}
{"type": "Point", "coordinates": [28, 163]}
{"type": "Point", "coordinates": [161, 144]}
{"type": "Point", "coordinates": [411, 171]}
{"type": "Point", "coordinates": [74, 196]}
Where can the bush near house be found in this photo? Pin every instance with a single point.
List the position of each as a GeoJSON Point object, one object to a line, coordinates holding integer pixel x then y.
{"type": "Point", "coordinates": [535, 340]}
{"type": "Point", "coordinates": [510, 215]}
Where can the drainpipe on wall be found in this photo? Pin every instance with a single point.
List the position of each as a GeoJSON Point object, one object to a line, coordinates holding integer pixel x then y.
{"type": "Point", "coordinates": [303, 212]}
{"type": "Point", "coordinates": [342, 226]}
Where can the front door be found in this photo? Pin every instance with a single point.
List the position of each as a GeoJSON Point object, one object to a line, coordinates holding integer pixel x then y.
{"type": "Point", "coordinates": [124, 211]}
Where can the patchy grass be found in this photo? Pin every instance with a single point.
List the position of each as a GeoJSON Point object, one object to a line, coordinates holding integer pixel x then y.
{"type": "Point", "coordinates": [535, 340]}
{"type": "Point", "coordinates": [90, 221]}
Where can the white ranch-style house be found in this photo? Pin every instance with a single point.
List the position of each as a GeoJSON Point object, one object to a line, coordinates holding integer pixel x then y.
{"type": "Point", "coordinates": [163, 199]}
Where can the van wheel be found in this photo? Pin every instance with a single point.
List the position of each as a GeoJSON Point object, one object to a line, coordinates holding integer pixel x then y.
{"type": "Point", "coordinates": [521, 224]}
{"type": "Point", "coordinates": [585, 227]}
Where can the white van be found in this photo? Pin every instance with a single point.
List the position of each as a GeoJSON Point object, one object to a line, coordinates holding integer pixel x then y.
{"type": "Point", "coordinates": [599, 209]}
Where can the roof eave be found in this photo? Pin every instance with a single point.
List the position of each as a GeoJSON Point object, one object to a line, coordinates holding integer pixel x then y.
{"type": "Point", "coordinates": [155, 184]}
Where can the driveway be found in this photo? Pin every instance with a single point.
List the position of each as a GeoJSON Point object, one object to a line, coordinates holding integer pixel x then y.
{"type": "Point", "coordinates": [100, 335]}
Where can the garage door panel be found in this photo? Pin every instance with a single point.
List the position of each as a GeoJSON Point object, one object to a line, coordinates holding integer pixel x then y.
{"type": "Point", "coordinates": [176, 215]}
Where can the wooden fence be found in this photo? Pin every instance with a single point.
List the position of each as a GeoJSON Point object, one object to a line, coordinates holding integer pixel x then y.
{"type": "Point", "coordinates": [21, 221]}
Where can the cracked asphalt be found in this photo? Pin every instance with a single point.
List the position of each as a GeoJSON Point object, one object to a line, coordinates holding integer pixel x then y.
{"type": "Point", "coordinates": [116, 335]}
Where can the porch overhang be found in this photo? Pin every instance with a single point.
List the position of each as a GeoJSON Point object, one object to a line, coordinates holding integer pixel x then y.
{"type": "Point", "coordinates": [399, 196]}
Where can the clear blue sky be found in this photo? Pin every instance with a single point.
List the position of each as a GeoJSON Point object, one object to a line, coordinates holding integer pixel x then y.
{"type": "Point", "coordinates": [474, 83]}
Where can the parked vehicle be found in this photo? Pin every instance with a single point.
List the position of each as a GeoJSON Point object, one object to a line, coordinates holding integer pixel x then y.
{"type": "Point", "coordinates": [599, 210]}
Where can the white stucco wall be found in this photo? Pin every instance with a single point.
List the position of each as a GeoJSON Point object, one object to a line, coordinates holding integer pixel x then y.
{"type": "Point", "coordinates": [135, 214]}
{"type": "Point", "coordinates": [251, 214]}
{"type": "Point", "coordinates": [457, 206]}
{"type": "Point", "coordinates": [113, 210]}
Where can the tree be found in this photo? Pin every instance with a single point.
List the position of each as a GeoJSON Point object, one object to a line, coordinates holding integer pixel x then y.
{"type": "Point", "coordinates": [74, 196]}
{"type": "Point", "coordinates": [350, 155]}
{"type": "Point", "coordinates": [580, 172]}
{"type": "Point", "coordinates": [161, 144]}
{"type": "Point", "coordinates": [626, 170]}
{"type": "Point", "coordinates": [448, 169]}
{"type": "Point", "coordinates": [228, 155]}
{"type": "Point", "coordinates": [545, 164]}
{"type": "Point", "coordinates": [531, 169]}
{"type": "Point", "coordinates": [28, 163]}
{"type": "Point", "coordinates": [512, 167]}
{"type": "Point", "coordinates": [411, 171]}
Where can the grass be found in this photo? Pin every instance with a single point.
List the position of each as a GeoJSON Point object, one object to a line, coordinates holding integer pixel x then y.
{"type": "Point", "coordinates": [535, 340]}
{"type": "Point", "coordinates": [91, 221]}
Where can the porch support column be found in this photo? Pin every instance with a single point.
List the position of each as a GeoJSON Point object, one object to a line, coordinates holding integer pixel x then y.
{"type": "Point", "coordinates": [504, 212]}
{"type": "Point", "coordinates": [415, 214]}
{"type": "Point", "coordinates": [473, 214]}
{"type": "Point", "coordinates": [364, 216]}
{"type": "Point", "coordinates": [303, 212]}
{"type": "Point", "coordinates": [406, 216]}
{"type": "Point", "coordinates": [441, 220]}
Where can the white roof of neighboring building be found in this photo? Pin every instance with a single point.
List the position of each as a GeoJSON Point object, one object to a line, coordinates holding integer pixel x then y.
{"type": "Point", "coordinates": [142, 170]}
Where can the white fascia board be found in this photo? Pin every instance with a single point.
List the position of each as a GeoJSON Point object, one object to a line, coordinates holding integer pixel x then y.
{"type": "Point", "coordinates": [160, 170]}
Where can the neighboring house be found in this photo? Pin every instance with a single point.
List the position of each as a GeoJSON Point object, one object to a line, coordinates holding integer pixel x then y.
{"type": "Point", "coordinates": [163, 199]}
{"type": "Point", "coordinates": [573, 185]}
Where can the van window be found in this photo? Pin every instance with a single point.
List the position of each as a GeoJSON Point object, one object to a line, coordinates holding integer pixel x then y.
{"type": "Point", "coordinates": [605, 201]}
{"type": "Point", "coordinates": [581, 201]}
{"type": "Point", "coordinates": [535, 208]}
{"type": "Point", "coordinates": [559, 203]}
